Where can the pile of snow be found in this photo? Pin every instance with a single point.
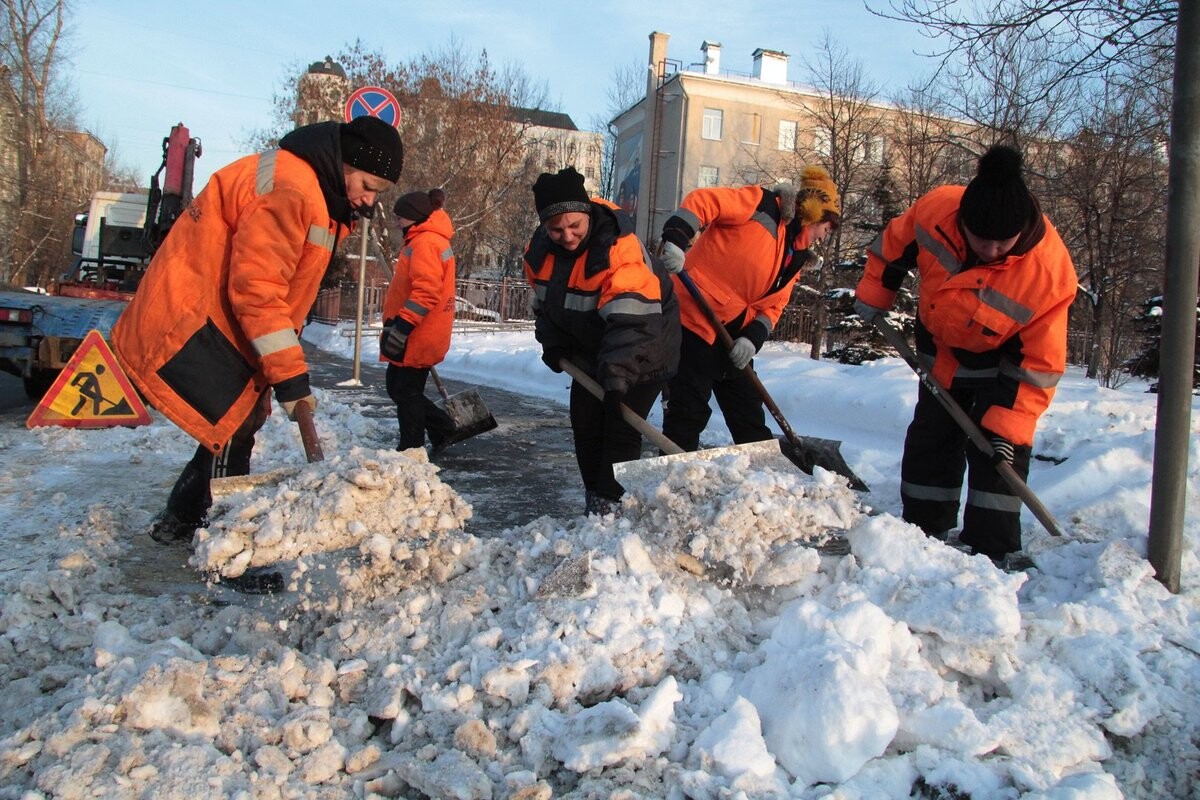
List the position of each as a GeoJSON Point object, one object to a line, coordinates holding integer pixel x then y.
{"type": "Point", "coordinates": [705, 641]}
{"type": "Point", "coordinates": [388, 505]}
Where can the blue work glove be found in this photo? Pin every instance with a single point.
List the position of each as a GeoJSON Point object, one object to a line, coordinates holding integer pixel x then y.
{"type": "Point", "coordinates": [1002, 450]}
{"type": "Point", "coordinates": [672, 257]}
{"type": "Point", "coordinates": [868, 312]}
{"type": "Point", "coordinates": [393, 341]}
{"type": "Point", "coordinates": [741, 352]}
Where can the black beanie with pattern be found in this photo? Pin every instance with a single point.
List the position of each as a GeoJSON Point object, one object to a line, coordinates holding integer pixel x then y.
{"type": "Point", "coordinates": [372, 145]}
{"type": "Point", "coordinates": [559, 193]}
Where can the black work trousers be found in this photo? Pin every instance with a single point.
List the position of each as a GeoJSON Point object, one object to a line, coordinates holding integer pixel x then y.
{"type": "Point", "coordinates": [704, 371]}
{"type": "Point", "coordinates": [190, 497]}
{"type": "Point", "coordinates": [416, 412]}
{"type": "Point", "coordinates": [602, 439]}
{"type": "Point", "coordinates": [936, 451]}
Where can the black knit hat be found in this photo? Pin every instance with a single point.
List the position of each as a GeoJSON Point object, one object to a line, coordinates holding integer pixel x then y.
{"type": "Point", "coordinates": [996, 204]}
{"type": "Point", "coordinates": [372, 145]}
{"type": "Point", "coordinates": [560, 193]}
{"type": "Point", "coordinates": [415, 206]}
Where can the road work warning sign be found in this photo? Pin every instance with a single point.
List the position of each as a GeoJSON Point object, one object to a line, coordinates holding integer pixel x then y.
{"type": "Point", "coordinates": [92, 391]}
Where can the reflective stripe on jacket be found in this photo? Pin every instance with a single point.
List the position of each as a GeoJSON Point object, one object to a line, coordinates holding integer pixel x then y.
{"type": "Point", "coordinates": [737, 259]}
{"type": "Point", "coordinates": [1003, 323]}
{"type": "Point", "coordinates": [605, 303]}
{"type": "Point", "coordinates": [422, 291]}
{"type": "Point", "coordinates": [216, 319]}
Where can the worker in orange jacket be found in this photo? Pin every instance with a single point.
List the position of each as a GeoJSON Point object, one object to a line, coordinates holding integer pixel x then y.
{"type": "Point", "coordinates": [214, 328]}
{"type": "Point", "coordinates": [599, 303]}
{"type": "Point", "coordinates": [996, 286]}
{"type": "Point", "coordinates": [751, 244]}
{"type": "Point", "coordinates": [418, 315]}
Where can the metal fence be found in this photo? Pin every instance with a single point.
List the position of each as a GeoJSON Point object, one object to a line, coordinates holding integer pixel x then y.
{"type": "Point", "coordinates": [478, 304]}
{"type": "Point", "coordinates": [483, 305]}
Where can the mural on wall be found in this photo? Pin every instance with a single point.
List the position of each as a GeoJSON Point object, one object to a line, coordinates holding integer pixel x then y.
{"type": "Point", "coordinates": [628, 168]}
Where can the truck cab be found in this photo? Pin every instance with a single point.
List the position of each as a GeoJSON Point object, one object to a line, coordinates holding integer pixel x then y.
{"type": "Point", "coordinates": [111, 247]}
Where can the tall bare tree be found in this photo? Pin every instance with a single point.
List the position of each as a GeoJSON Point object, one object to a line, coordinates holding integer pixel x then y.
{"type": "Point", "coordinates": [1081, 38]}
{"type": "Point", "coordinates": [468, 128]}
{"type": "Point", "coordinates": [626, 87]}
{"type": "Point", "coordinates": [1110, 201]}
{"type": "Point", "coordinates": [45, 186]}
{"type": "Point", "coordinates": [848, 140]}
{"type": "Point", "coordinates": [923, 147]}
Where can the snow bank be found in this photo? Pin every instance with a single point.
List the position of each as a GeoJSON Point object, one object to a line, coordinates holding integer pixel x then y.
{"type": "Point", "coordinates": [730, 630]}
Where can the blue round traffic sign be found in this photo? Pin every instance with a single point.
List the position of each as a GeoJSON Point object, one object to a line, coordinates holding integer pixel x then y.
{"type": "Point", "coordinates": [372, 101]}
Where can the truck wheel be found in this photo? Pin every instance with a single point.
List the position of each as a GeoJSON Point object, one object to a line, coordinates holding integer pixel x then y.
{"type": "Point", "coordinates": [38, 383]}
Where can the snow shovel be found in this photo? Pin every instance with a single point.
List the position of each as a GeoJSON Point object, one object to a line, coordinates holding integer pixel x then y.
{"type": "Point", "coordinates": [805, 452]}
{"type": "Point", "coordinates": [649, 472]}
{"type": "Point", "coordinates": [466, 409]}
{"type": "Point", "coordinates": [628, 414]}
{"type": "Point", "coordinates": [223, 487]}
{"type": "Point", "coordinates": [896, 339]}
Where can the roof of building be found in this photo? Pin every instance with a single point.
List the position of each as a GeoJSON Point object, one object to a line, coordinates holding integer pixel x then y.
{"type": "Point", "coordinates": [545, 119]}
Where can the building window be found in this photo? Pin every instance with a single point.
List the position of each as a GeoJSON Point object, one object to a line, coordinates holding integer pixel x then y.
{"type": "Point", "coordinates": [876, 150]}
{"type": "Point", "coordinates": [751, 129]}
{"type": "Point", "coordinates": [821, 143]}
{"type": "Point", "coordinates": [787, 135]}
{"type": "Point", "coordinates": [714, 118]}
{"type": "Point", "coordinates": [709, 177]}
{"type": "Point", "coordinates": [870, 151]}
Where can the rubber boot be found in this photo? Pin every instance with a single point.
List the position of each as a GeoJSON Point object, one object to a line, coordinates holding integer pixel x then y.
{"type": "Point", "coordinates": [256, 580]}
{"type": "Point", "coordinates": [187, 505]}
{"type": "Point", "coordinates": [598, 504]}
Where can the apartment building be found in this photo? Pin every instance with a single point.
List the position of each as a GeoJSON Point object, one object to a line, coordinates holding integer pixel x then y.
{"type": "Point", "coordinates": [701, 125]}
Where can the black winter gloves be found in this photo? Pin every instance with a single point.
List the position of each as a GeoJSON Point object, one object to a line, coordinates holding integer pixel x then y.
{"type": "Point", "coordinates": [293, 391]}
{"type": "Point", "coordinates": [678, 232]}
{"type": "Point", "coordinates": [1002, 450]}
{"type": "Point", "coordinates": [393, 341]}
{"type": "Point", "coordinates": [552, 355]}
{"type": "Point", "coordinates": [612, 403]}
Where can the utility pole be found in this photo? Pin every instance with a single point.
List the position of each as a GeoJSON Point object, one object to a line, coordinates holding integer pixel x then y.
{"type": "Point", "coordinates": [1172, 434]}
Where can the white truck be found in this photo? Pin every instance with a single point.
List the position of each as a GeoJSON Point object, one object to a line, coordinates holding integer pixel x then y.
{"type": "Point", "coordinates": [113, 244]}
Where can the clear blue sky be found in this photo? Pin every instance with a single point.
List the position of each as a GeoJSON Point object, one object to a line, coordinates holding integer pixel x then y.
{"type": "Point", "coordinates": [141, 66]}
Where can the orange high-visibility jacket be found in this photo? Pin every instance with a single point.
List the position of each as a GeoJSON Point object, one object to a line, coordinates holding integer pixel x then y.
{"type": "Point", "coordinates": [422, 291]}
{"type": "Point", "coordinates": [605, 304]}
{"type": "Point", "coordinates": [1005, 322]}
{"type": "Point", "coordinates": [738, 258]}
{"type": "Point", "coordinates": [216, 319]}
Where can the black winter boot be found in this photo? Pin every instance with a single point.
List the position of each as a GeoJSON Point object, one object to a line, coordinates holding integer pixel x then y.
{"type": "Point", "coordinates": [188, 504]}
{"type": "Point", "coordinates": [598, 504]}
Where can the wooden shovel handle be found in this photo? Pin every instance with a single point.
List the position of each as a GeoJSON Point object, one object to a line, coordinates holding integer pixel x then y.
{"type": "Point", "coordinates": [727, 341]}
{"type": "Point", "coordinates": [437, 381]}
{"type": "Point", "coordinates": [627, 413]}
{"type": "Point", "coordinates": [308, 432]}
{"type": "Point", "coordinates": [896, 339]}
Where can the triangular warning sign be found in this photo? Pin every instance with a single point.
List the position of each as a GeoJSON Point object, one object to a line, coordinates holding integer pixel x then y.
{"type": "Point", "coordinates": [92, 391]}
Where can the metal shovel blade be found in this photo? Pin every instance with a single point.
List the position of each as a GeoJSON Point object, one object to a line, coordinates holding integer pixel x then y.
{"type": "Point", "coordinates": [807, 452]}
{"type": "Point", "coordinates": [772, 454]}
{"type": "Point", "coordinates": [469, 414]}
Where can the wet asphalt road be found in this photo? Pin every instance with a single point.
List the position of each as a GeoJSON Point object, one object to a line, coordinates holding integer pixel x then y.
{"type": "Point", "coordinates": [523, 469]}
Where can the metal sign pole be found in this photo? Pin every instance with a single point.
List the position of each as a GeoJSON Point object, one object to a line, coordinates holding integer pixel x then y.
{"type": "Point", "coordinates": [376, 102]}
{"type": "Point", "coordinates": [358, 314]}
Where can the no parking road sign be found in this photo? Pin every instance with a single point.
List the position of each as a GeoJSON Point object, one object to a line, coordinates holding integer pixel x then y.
{"type": "Point", "coordinates": [372, 101]}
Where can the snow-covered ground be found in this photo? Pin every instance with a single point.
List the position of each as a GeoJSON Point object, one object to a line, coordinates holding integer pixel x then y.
{"type": "Point", "coordinates": [702, 643]}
